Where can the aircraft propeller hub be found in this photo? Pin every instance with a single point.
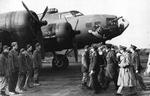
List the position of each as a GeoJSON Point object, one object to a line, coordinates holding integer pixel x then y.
{"type": "Point", "coordinates": [43, 23]}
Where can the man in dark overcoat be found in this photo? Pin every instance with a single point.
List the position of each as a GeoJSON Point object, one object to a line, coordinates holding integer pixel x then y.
{"type": "Point", "coordinates": [29, 74]}
{"type": "Point", "coordinates": [37, 63]}
{"type": "Point", "coordinates": [22, 70]}
{"type": "Point", "coordinates": [94, 69]}
{"type": "Point", "coordinates": [111, 73]}
{"type": "Point", "coordinates": [13, 68]}
{"type": "Point", "coordinates": [135, 61]}
{"type": "Point", "coordinates": [4, 70]}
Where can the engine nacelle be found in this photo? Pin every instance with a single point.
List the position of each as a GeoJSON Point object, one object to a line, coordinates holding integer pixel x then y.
{"type": "Point", "coordinates": [64, 34]}
{"type": "Point", "coordinates": [19, 26]}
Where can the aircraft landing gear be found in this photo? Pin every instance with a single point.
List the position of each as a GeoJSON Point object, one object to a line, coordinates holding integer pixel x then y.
{"type": "Point", "coordinates": [60, 62]}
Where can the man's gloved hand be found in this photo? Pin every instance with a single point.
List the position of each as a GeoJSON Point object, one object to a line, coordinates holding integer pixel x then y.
{"type": "Point", "coordinates": [90, 31]}
{"type": "Point", "coordinates": [91, 72]}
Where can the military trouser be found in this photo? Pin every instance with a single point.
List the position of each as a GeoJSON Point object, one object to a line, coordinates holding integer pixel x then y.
{"type": "Point", "coordinates": [109, 79]}
{"type": "Point", "coordinates": [93, 83]}
{"type": "Point", "coordinates": [140, 80]}
{"type": "Point", "coordinates": [101, 76]}
{"type": "Point", "coordinates": [36, 75]}
{"type": "Point", "coordinates": [13, 78]}
{"type": "Point", "coordinates": [85, 78]}
{"type": "Point", "coordinates": [29, 79]}
{"type": "Point", "coordinates": [21, 81]}
{"type": "Point", "coordinates": [3, 84]}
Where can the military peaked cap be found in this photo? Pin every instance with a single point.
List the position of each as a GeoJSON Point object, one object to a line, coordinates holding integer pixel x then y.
{"type": "Point", "coordinates": [133, 47]}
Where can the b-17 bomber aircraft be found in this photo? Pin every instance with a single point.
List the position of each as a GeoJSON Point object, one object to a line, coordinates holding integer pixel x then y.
{"type": "Point", "coordinates": [73, 30]}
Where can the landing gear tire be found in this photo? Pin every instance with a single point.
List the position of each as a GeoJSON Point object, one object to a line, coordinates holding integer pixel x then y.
{"type": "Point", "coordinates": [60, 62]}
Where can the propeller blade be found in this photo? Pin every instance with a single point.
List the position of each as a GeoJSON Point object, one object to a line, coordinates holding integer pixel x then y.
{"type": "Point", "coordinates": [66, 19]}
{"type": "Point", "coordinates": [29, 12]}
{"type": "Point", "coordinates": [76, 24]}
{"type": "Point", "coordinates": [75, 49]}
{"type": "Point", "coordinates": [44, 13]}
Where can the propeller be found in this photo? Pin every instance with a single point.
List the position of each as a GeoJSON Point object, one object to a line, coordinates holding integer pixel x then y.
{"type": "Point", "coordinates": [44, 13]}
{"type": "Point", "coordinates": [74, 42]}
{"type": "Point", "coordinates": [40, 22]}
{"type": "Point", "coordinates": [30, 12]}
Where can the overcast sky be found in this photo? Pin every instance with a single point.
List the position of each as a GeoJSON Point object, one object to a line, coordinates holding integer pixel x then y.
{"type": "Point", "coordinates": [137, 12]}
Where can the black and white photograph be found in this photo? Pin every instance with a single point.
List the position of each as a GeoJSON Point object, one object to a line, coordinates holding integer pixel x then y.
{"type": "Point", "coordinates": [74, 48]}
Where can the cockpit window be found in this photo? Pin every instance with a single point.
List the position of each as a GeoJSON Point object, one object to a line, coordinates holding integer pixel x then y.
{"type": "Point", "coordinates": [76, 13]}
{"type": "Point", "coordinates": [66, 15]}
{"type": "Point", "coordinates": [110, 21]}
{"type": "Point", "coordinates": [71, 14]}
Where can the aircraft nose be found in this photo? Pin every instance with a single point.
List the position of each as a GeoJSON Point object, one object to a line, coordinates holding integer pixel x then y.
{"type": "Point", "coordinates": [122, 24]}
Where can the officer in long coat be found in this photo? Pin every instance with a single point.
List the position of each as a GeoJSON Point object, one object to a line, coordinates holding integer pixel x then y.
{"type": "Point", "coordinates": [29, 74]}
{"type": "Point", "coordinates": [4, 70]}
{"type": "Point", "coordinates": [137, 66]}
{"type": "Point", "coordinates": [85, 62]}
{"type": "Point", "coordinates": [22, 70]}
{"type": "Point", "coordinates": [111, 73]}
{"type": "Point", "coordinates": [94, 69]}
{"type": "Point", "coordinates": [13, 68]}
{"type": "Point", "coordinates": [37, 63]}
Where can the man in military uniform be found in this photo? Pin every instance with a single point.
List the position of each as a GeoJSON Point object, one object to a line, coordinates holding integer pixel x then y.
{"type": "Point", "coordinates": [29, 75]}
{"type": "Point", "coordinates": [13, 68]}
{"type": "Point", "coordinates": [112, 67]}
{"type": "Point", "coordinates": [37, 64]}
{"type": "Point", "coordinates": [94, 69]}
{"type": "Point", "coordinates": [85, 66]}
{"type": "Point", "coordinates": [137, 65]}
{"type": "Point", "coordinates": [22, 70]}
{"type": "Point", "coordinates": [102, 63]}
{"type": "Point", "coordinates": [4, 70]}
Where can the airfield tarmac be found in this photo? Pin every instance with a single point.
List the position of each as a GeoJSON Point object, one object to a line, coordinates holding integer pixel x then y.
{"type": "Point", "coordinates": [68, 83]}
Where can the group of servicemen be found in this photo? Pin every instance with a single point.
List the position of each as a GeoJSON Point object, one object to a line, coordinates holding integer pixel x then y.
{"type": "Point", "coordinates": [103, 64]}
{"type": "Point", "coordinates": [19, 70]}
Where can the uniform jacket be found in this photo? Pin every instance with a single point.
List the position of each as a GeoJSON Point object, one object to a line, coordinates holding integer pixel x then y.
{"type": "Point", "coordinates": [102, 61]}
{"type": "Point", "coordinates": [94, 62]}
{"type": "Point", "coordinates": [37, 59]}
{"type": "Point", "coordinates": [85, 61]}
{"type": "Point", "coordinates": [112, 64]}
{"type": "Point", "coordinates": [3, 64]}
{"type": "Point", "coordinates": [22, 63]}
{"type": "Point", "coordinates": [136, 61]}
{"type": "Point", "coordinates": [126, 73]}
{"type": "Point", "coordinates": [29, 58]}
{"type": "Point", "coordinates": [13, 61]}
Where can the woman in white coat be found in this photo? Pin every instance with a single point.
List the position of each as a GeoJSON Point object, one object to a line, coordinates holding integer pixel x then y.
{"type": "Point", "coordinates": [126, 76]}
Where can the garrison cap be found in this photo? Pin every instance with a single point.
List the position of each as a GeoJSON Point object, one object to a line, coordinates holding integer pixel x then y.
{"type": "Point", "coordinates": [13, 44]}
{"type": "Point", "coordinates": [133, 47]}
{"type": "Point", "coordinates": [109, 46]}
{"type": "Point", "coordinates": [28, 46]}
{"type": "Point", "coordinates": [22, 49]}
{"type": "Point", "coordinates": [37, 44]}
{"type": "Point", "coordinates": [5, 47]}
{"type": "Point", "coordinates": [86, 47]}
{"type": "Point", "coordinates": [95, 47]}
{"type": "Point", "coordinates": [122, 47]}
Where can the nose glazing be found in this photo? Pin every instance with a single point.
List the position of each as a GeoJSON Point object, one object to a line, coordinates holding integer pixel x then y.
{"type": "Point", "coordinates": [122, 24]}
